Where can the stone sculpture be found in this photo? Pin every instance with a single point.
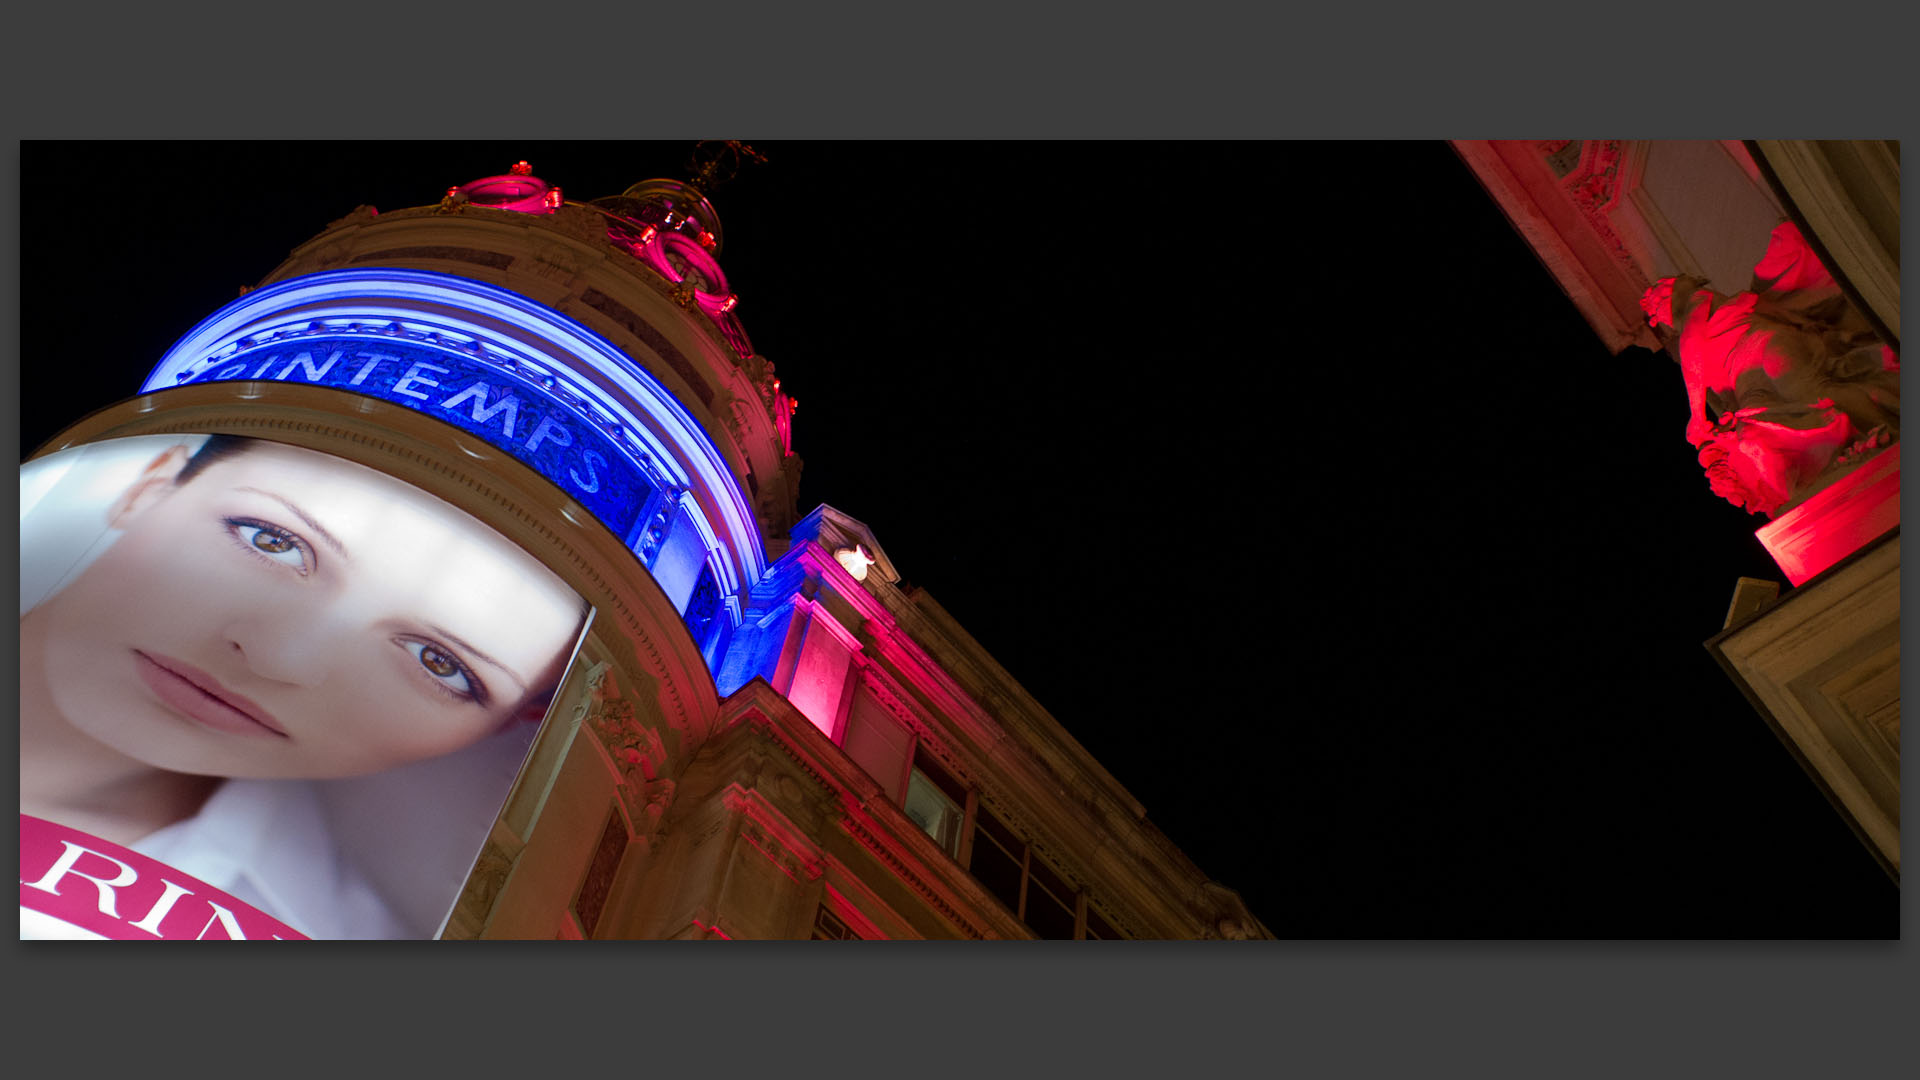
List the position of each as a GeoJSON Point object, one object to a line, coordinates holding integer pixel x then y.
{"type": "Point", "coordinates": [1800, 387]}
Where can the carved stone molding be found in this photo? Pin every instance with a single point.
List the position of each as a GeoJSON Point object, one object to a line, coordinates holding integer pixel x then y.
{"type": "Point", "coordinates": [483, 887]}
{"type": "Point", "coordinates": [639, 755]}
{"type": "Point", "coordinates": [1595, 187]}
{"type": "Point", "coordinates": [1822, 667]}
{"type": "Point", "coordinates": [884, 851]}
{"type": "Point", "coordinates": [769, 832]}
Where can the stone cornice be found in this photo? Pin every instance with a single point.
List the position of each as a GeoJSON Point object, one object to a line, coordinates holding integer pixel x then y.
{"type": "Point", "coordinates": [868, 816]}
{"type": "Point", "coordinates": [771, 834]}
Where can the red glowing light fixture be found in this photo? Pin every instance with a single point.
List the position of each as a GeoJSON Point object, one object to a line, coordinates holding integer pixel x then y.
{"type": "Point", "coordinates": [521, 168]}
{"type": "Point", "coordinates": [706, 239]}
{"type": "Point", "coordinates": [728, 304]}
{"type": "Point", "coordinates": [553, 198]}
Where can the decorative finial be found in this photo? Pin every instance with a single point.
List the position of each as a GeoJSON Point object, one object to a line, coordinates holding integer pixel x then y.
{"type": "Point", "coordinates": [716, 161]}
{"type": "Point", "coordinates": [521, 168]}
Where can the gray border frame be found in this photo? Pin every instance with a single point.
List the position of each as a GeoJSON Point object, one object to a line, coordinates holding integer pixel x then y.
{"type": "Point", "coordinates": [1343, 1009]}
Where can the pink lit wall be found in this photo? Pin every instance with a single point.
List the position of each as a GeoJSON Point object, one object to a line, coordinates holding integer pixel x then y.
{"type": "Point", "coordinates": [820, 675]}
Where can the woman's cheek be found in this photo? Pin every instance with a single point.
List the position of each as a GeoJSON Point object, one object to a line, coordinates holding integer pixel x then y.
{"type": "Point", "coordinates": [398, 730]}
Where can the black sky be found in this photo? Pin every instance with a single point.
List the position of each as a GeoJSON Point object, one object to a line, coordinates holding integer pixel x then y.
{"type": "Point", "coordinates": [1281, 473]}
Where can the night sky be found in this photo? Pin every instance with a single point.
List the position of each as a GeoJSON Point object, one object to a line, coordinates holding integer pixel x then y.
{"type": "Point", "coordinates": [1282, 474]}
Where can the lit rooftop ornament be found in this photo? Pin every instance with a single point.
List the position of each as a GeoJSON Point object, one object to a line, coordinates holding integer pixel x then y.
{"type": "Point", "coordinates": [855, 559]}
{"type": "Point", "coordinates": [518, 190]}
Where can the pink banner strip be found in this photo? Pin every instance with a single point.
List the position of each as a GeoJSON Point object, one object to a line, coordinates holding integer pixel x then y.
{"type": "Point", "coordinates": [118, 893]}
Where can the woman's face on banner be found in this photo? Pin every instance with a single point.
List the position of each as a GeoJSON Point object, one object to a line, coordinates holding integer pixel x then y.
{"type": "Point", "coordinates": [287, 614]}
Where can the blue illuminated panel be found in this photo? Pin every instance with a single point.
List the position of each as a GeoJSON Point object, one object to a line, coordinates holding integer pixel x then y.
{"type": "Point", "coordinates": [507, 411]}
{"type": "Point", "coordinates": [524, 378]}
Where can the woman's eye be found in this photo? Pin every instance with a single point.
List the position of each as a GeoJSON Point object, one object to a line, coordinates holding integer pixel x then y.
{"type": "Point", "coordinates": [272, 542]}
{"type": "Point", "coordinates": [445, 668]}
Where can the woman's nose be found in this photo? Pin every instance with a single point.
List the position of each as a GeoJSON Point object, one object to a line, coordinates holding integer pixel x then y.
{"type": "Point", "coordinates": [283, 651]}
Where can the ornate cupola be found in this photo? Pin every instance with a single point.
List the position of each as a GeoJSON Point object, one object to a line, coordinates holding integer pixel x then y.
{"type": "Point", "coordinates": [596, 342]}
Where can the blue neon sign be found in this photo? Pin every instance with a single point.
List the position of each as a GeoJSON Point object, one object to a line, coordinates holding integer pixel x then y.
{"type": "Point", "coordinates": [506, 410]}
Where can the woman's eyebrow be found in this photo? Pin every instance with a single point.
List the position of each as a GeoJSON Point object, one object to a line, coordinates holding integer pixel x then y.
{"type": "Point", "coordinates": [477, 654]}
{"type": "Point", "coordinates": [318, 528]}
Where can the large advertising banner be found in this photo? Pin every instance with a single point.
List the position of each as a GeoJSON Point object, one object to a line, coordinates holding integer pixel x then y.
{"type": "Point", "coordinates": [265, 692]}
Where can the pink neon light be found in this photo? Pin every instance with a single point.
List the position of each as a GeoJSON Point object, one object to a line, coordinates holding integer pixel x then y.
{"type": "Point", "coordinates": [675, 251]}
{"type": "Point", "coordinates": [518, 192]}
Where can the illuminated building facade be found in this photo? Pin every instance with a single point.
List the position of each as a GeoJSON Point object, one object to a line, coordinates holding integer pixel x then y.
{"type": "Point", "coordinates": [763, 734]}
{"type": "Point", "coordinates": [1770, 271]}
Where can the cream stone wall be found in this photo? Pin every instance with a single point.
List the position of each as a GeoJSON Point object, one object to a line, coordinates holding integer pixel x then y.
{"type": "Point", "coordinates": [1823, 665]}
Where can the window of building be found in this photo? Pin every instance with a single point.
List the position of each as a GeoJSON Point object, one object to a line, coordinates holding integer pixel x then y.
{"type": "Point", "coordinates": [1098, 929]}
{"type": "Point", "coordinates": [877, 743]}
{"type": "Point", "coordinates": [936, 803]}
{"type": "Point", "coordinates": [998, 857]}
{"type": "Point", "coordinates": [591, 898]}
{"type": "Point", "coordinates": [1051, 907]}
{"type": "Point", "coordinates": [830, 927]}
{"type": "Point", "coordinates": [949, 811]}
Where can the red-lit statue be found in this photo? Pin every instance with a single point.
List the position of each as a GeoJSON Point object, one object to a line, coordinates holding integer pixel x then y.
{"type": "Point", "coordinates": [1801, 386]}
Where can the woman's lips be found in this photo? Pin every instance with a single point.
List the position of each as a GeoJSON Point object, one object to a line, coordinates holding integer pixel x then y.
{"type": "Point", "coordinates": [199, 696]}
